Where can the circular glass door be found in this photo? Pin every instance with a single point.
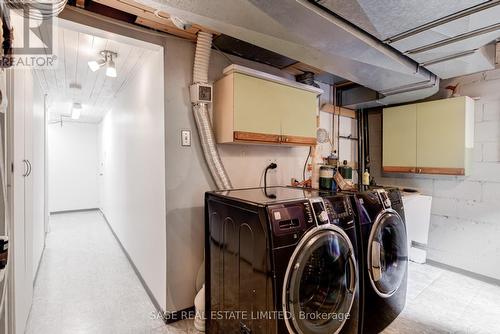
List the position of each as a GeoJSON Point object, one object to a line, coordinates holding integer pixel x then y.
{"type": "Point", "coordinates": [320, 282]}
{"type": "Point", "coordinates": [387, 253]}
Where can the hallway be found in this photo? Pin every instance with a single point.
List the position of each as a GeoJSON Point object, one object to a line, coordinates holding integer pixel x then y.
{"type": "Point", "coordinates": [86, 284]}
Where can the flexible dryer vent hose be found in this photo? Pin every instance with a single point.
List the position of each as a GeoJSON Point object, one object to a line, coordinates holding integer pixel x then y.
{"type": "Point", "coordinates": [201, 115]}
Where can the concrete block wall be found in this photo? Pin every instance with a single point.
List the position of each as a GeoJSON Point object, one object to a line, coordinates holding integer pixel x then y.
{"type": "Point", "coordinates": [465, 216]}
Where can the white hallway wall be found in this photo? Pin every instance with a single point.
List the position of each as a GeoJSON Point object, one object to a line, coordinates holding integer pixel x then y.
{"type": "Point", "coordinates": [73, 162]}
{"type": "Point", "coordinates": [132, 163]}
{"type": "Point", "coordinates": [134, 137]}
{"type": "Point", "coordinates": [465, 210]}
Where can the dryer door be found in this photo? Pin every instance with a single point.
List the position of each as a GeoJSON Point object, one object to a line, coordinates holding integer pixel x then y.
{"type": "Point", "coordinates": [387, 253]}
{"type": "Point", "coordinates": [320, 282]}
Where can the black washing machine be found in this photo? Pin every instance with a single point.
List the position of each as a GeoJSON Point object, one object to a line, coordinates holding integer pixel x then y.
{"type": "Point", "coordinates": [281, 260]}
{"type": "Point", "coordinates": [384, 260]}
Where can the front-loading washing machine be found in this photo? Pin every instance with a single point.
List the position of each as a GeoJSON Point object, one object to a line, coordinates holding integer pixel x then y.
{"type": "Point", "coordinates": [281, 260]}
{"type": "Point", "coordinates": [384, 249]}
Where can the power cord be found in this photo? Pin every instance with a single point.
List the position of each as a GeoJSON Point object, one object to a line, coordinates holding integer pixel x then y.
{"type": "Point", "coordinates": [270, 166]}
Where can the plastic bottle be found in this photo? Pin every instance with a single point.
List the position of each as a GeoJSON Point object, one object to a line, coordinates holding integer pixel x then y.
{"type": "Point", "coordinates": [366, 178]}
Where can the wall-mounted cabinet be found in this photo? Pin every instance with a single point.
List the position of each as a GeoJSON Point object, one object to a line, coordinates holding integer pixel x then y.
{"type": "Point", "coordinates": [255, 107]}
{"type": "Point", "coordinates": [435, 137]}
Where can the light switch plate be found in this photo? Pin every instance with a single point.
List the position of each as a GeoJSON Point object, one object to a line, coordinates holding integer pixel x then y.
{"type": "Point", "coordinates": [185, 137]}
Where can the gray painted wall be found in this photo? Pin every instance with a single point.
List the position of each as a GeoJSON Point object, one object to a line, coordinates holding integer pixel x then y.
{"type": "Point", "coordinates": [465, 216]}
{"type": "Point", "coordinates": [187, 177]}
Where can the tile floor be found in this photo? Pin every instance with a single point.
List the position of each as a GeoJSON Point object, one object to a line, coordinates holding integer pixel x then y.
{"type": "Point", "coordinates": [86, 285]}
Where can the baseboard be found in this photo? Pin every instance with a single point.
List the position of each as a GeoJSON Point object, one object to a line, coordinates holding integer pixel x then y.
{"type": "Point", "coordinates": [139, 276]}
{"type": "Point", "coordinates": [73, 211]}
{"type": "Point", "coordinates": [464, 272]}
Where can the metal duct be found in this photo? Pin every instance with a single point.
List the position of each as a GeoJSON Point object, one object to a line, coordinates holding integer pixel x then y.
{"type": "Point", "coordinates": [306, 78]}
{"type": "Point", "coordinates": [301, 30]}
{"type": "Point", "coordinates": [202, 118]}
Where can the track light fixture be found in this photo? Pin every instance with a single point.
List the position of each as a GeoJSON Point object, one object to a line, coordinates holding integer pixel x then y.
{"type": "Point", "coordinates": [107, 59]}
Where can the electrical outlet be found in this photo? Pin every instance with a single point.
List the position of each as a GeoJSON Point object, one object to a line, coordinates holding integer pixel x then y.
{"type": "Point", "coordinates": [270, 161]}
{"type": "Point", "coordinates": [185, 137]}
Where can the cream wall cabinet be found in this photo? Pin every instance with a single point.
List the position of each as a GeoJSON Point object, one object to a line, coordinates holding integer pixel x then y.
{"type": "Point", "coordinates": [254, 107]}
{"type": "Point", "coordinates": [433, 137]}
{"type": "Point", "coordinates": [400, 139]}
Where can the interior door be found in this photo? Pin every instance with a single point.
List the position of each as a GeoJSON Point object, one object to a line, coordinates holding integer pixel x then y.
{"type": "Point", "coordinates": [37, 176]}
{"type": "Point", "coordinates": [320, 283]}
{"type": "Point", "coordinates": [387, 254]}
{"type": "Point", "coordinates": [21, 275]}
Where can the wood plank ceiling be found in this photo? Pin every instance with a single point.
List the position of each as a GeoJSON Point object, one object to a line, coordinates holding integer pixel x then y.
{"type": "Point", "coordinates": [73, 81]}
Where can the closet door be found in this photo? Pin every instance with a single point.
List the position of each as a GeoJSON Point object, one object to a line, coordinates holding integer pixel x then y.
{"type": "Point", "coordinates": [28, 179]}
{"type": "Point", "coordinates": [21, 270]}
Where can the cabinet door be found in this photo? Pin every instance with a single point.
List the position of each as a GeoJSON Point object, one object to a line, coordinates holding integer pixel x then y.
{"type": "Point", "coordinates": [400, 139]}
{"type": "Point", "coordinates": [255, 106]}
{"type": "Point", "coordinates": [441, 136]}
{"type": "Point", "coordinates": [298, 116]}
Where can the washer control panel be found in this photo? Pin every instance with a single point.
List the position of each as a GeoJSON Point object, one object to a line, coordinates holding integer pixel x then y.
{"type": "Point", "coordinates": [320, 210]}
{"type": "Point", "coordinates": [339, 210]}
{"type": "Point", "coordinates": [289, 221]}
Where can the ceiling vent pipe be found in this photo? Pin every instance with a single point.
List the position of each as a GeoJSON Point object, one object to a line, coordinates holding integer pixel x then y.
{"type": "Point", "coordinates": [302, 30]}
{"type": "Point", "coordinates": [201, 116]}
{"type": "Point", "coordinates": [306, 78]}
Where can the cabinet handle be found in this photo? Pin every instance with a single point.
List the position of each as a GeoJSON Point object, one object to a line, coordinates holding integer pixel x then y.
{"type": "Point", "coordinates": [26, 168]}
{"type": "Point", "coordinates": [412, 170]}
{"type": "Point", "coordinates": [420, 170]}
{"type": "Point", "coordinates": [30, 168]}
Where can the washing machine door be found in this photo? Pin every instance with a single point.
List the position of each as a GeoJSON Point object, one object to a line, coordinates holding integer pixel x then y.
{"type": "Point", "coordinates": [320, 282]}
{"type": "Point", "coordinates": [387, 253]}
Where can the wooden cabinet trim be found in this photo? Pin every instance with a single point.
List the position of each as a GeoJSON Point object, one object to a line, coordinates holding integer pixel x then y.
{"type": "Point", "coordinates": [242, 136]}
{"type": "Point", "coordinates": [398, 169]}
{"type": "Point", "coordinates": [297, 140]}
{"type": "Point", "coordinates": [424, 170]}
{"type": "Point", "coordinates": [441, 170]}
{"type": "Point", "coordinates": [256, 137]}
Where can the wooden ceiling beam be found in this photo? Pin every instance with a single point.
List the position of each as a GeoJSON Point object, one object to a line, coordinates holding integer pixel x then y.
{"type": "Point", "coordinates": [301, 68]}
{"type": "Point", "coordinates": [80, 3]}
{"type": "Point", "coordinates": [336, 110]}
{"type": "Point", "coordinates": [146, 17]}
{"type": "Point", "coordinates": [165, 28]}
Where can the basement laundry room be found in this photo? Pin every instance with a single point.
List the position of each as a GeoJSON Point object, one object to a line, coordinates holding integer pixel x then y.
{"type": "Point", "coordinates": [248, 166]}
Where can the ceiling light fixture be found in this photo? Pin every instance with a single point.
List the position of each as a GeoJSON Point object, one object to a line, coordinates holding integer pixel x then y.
{"type": "Point", "coordinates": [96, 64]}
{"type": "Point", "coordinates": [76, 111]}
{"type": "Point", "coordinates": [107, 59]}
{"type": "Point", "coordinates": [111, 69]}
